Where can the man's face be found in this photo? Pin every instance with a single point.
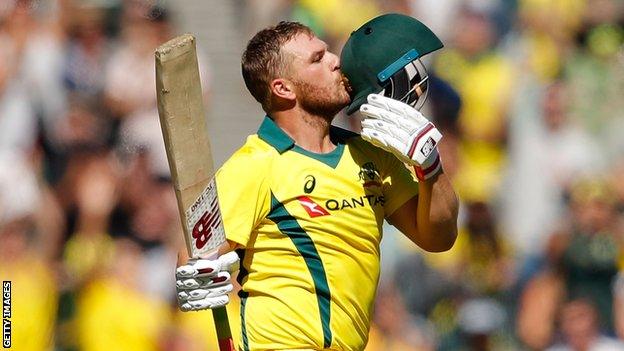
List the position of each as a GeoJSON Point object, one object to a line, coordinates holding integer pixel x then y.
{"type": "Point", "coordinates": [316, 75]}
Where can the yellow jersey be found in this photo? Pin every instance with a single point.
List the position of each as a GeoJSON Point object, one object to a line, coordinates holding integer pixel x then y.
{"type": "Point", "coordinates": [310, 225]}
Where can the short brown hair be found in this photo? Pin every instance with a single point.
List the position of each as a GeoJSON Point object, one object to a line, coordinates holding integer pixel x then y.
{"type": "Point", "coordinates": [263, 60]}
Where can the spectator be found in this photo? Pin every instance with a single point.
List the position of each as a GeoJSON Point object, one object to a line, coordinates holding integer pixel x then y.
{"type": "Point", "coordinates": [483, 78]}
{"type": "Point", "coordinates": [112, 310]}
{"type": "Point", "coordinates": [595, 74]}
{"type": "Point", "coordinates": [481, 322]}
{"type": "Point", "coordinates": [582, 263]}
{"type": "Point", "coordinates": [548, 152]}
{"type": "Point", "coordinates": [581, 330]}
{"type": "Point", "coordinates": [134, 57]}
{"type": "Point", "coordinates": [544, 37]}
{"type": "Point", "coordinates": [23, 261]}
{"type": "Point", "coordinates": [86, 52]}
{"type": "Point", "coordinates": [18, 124]}
{"type": "Point", "coordinates": [395, 328]}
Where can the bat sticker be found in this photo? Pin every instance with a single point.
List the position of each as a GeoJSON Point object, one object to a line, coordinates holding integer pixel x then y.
{"type": "Point", "coordinates": [204, 221]}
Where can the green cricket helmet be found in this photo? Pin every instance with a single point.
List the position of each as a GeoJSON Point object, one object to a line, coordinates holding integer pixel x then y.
{"type": "Point", "coordinates": [383, 56]}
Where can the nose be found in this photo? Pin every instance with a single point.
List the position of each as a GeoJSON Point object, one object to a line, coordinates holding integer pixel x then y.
{"type": "Point", "coordinates": [334, 61]}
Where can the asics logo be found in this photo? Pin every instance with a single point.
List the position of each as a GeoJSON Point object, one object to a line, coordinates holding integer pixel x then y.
{"type": "Point", "coordinates": [310, 183]}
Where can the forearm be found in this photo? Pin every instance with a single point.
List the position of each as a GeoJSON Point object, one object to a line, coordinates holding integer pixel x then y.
{"type": "Point", "coordinates": [429, 219]}
{"type": "Point", "coordinates": [437, 214]}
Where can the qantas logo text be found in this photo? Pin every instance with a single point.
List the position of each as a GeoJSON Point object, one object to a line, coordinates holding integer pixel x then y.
{"type": "Point", "coordinates": [368, 174]}
{"type": "Point", "coordinates": [315, 210]}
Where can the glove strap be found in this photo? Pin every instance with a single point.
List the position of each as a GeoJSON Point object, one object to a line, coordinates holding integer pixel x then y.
{"type": "Point", "coordinates": [425, 130]}
{"type": "Point", "coordinates": [424, 173]}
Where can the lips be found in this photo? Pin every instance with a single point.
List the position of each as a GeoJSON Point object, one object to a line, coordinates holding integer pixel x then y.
{"type": "Point", "coordinates": [345, 82]}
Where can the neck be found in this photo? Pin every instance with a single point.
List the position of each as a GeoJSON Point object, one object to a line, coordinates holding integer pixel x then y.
{"type": "Point", "coordinates": [310, 132]}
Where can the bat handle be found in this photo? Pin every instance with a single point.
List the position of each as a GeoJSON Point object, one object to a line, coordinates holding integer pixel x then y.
{"type": "Point", "coordinates": [224, 334]}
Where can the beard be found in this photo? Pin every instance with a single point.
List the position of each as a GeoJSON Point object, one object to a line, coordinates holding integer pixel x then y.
{"type": "Point", "coordinates": [324, 101]}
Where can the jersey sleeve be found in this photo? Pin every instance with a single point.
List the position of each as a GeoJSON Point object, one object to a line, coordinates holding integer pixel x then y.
{"type": "Point", "coordinates": [243, 195]}
{"type": "Point", "coordinates": [399, 184]}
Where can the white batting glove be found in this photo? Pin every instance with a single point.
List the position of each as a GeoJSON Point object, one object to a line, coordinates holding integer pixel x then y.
{"type": "Point", "coordinates": [203, 284]}
{"type": "Point", "coordinates": [402, 130]}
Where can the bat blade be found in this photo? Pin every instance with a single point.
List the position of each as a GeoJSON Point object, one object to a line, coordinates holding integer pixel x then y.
{"type": "Point", "coordinates": [183, 123]}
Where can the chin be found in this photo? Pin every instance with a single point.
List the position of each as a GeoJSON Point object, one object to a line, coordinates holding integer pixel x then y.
{"type": "Point", "coordinates": [324, 101]}
{"type": "Point", "coordinates": [342, 95]}
{"type": "Point", "coordinates": [340, 100]}
{"type": "Point", "coordinates": [344, 101]}
{"type": "Point", "coordinates": [347, 99]}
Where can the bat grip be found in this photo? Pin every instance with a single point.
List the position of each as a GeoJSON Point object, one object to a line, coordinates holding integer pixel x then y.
{"type": "Point", "coordinates": [224, 334]}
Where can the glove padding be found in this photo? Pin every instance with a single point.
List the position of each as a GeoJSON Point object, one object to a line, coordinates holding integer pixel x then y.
{"type": "Point", "coordinates": [402, 130]}
{"type": "Point", "coordinates": [202, 284]}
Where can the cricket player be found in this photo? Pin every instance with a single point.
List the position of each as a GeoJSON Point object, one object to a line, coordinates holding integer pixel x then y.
{"type": "Point", "coordinates": [303, 202]}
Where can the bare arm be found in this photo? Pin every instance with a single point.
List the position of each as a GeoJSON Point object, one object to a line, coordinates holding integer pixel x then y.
{"type": "Point", "coordinates": [539, 302]}
{"type": "Point", "coordinates": [430, 219]}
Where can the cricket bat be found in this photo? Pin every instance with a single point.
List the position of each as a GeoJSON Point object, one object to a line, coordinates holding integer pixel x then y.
{"type": "Point", "coordinates": [183, 123]}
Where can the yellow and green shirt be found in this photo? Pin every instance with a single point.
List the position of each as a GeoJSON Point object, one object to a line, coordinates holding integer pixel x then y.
{"type": "Point", "coordinates": [310, 225]}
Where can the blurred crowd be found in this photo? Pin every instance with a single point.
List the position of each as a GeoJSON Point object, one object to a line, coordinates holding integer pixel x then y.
{"type": "Point", "coordinates": [529, 95]}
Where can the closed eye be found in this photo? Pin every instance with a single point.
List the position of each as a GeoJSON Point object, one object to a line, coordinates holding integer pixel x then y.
{"type": "Point", "coordinates": [317, 56]}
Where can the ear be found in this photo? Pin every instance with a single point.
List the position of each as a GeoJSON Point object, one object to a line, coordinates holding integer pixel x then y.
{"type": "Point", "coordinates": [283, 88]}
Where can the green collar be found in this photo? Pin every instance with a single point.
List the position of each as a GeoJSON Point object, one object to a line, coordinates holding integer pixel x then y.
{"type": "Point", "coordinates": [275, 136]}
